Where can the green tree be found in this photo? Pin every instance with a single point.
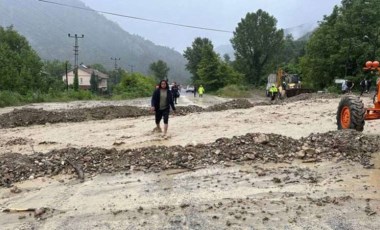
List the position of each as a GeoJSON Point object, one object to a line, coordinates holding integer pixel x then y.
{"type": "Point", "coordinates": [99, 67]}
{"type": "Point", "coordinates": [256, 41]}
{"type": "Point", "coordinates": [291, 50]}
{"type": "Point", "coordinates": [159, 69]}
{"type": "Point", "coordinates": [114, 78]}
{"type": "Point", "coordinates": [227, 58]}
{"type": "Point", "coordinates": [76, 80]}
{"type": "Point", "coordinates": [193, 55]}
{"type": "Point", "coordinates": [338, 48]}
{"type": "Point", "coordinates": [229, 76]}
{"type": "Point", "coordinates": [56, 68]}
{"type": "Point", "coordinates": [134, 85]}
{"type": "Point", "coordinates": [214, 73]}
{"type": "Point", "coordinates": [21, 67]}
{"type": "Point", "coordinates": [208, 70]}
{"type": "Point", "coordinates": [54, 71]}
{"type": "Point", "coordinates": [288, 56]}
{"type": "Point", "coordinates": [94, 83]}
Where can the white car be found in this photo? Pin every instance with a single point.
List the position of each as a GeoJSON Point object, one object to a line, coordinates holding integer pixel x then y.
{"type": "Point", "coordinates": [190, 89]}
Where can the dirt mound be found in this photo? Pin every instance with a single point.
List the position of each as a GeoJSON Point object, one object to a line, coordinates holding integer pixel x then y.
{"type": "Point", "coordinates": [183, 110]}
{"type": "Point", "coordinates": [17, 141]}
{"type": "Point", "coordinates": [258, 147]}
{"type": "Point", "coordinates": [310, 96]}
{"type": "Point", "coordinates": [30, 116]}
{"type": "Point", "coordinates": [234, 104]}
{"type": "Point", "coordinates": [302, 97]}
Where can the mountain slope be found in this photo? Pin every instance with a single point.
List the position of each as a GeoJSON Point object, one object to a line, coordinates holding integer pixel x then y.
{"type": "Point", "coordinates": [47, 26]}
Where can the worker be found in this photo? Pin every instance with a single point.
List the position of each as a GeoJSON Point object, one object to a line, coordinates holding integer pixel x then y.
{"type": "Point", "coordinates": [350, 85]}
{"type": "Point", "coordinates": [363, 86]}
{"type": "Point", "coordinates": [273, 92]}
{"type": "Point", "coordinates": [201, 90]}
{"type": "Point", "coordinates": [344, 87]}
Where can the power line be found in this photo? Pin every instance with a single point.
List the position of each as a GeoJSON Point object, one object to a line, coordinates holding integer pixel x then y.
{"type": "Point", "coordinates": [136, 18]}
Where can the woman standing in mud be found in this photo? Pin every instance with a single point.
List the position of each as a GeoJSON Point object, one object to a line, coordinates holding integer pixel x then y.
{"type": "Point", "coordinates": [162, 100]}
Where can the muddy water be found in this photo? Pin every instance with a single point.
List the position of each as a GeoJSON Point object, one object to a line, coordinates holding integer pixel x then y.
{"type": "Point", "coordinates": [184, 100]}
{"type": "Point", "coordinates": [142, 102]}
{"type": "Point", "coordinates": [330, 195]}
{"type": "Point", "coordinates": [293, 196]}
{"type": "Point", "coordinates": [289, 120]}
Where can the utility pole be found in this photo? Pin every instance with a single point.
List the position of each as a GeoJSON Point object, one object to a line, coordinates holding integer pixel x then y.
{"type": "Point", "coordinates": [131, 67]}
{"type": "Point", "coordinates": [76, 50]}
{"type": "Point", "coordinates": [115, 59]}
{"type": "Point", "coordinates": [67, 80]}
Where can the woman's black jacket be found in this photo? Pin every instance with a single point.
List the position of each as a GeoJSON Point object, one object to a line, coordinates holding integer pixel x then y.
{"type": "Point", "coordinates": [156, 99]}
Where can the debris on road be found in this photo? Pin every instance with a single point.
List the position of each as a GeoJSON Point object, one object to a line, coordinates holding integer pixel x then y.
{"type": "Point", "coordinates": [30, 116]}
{"type": "Point", "coordinates": [257, 147]}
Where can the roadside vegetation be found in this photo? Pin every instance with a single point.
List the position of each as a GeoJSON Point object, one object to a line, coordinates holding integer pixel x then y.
{"type": "Point", "coordinates": [338, 48]}
{"type": "Point", "coordinates": [234, 91]}
{"type": "Point", "coordinates": [25, 78]}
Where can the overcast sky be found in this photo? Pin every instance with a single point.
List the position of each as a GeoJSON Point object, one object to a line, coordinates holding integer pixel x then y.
{"type": "Point", "coordinates": [216, 14]}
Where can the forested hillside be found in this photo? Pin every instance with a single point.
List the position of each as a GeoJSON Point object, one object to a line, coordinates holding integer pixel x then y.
{"type": "Point", "coordinates": [47, 26]}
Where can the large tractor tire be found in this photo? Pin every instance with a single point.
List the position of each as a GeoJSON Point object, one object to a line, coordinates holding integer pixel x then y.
{"type": "Point", "coordinates": [350, 113]}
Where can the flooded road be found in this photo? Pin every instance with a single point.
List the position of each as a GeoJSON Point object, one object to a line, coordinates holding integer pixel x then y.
{"type": "Point", "coordinates": [195, 128]}
{"type": "Point", "coordinates": [285, 196]}
{"type": "Point", "coordinates": [331, 194]}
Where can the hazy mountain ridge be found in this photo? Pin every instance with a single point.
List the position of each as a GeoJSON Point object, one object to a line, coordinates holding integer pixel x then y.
{"type": "Point", "coordinates": [46, 27]}
{"type": "Point", "coordinates": [301, 32]}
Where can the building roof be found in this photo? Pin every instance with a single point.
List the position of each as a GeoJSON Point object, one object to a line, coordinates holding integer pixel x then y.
{"type": "Point", "coordinates": [90, 70]}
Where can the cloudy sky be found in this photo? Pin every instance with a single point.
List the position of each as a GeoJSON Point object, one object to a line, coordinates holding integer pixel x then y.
{"type": "Point", "coordinates": [215, 14]}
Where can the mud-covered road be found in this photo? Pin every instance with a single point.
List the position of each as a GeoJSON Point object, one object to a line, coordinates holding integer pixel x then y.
{"type": "Point", "coordinates": [245, 164]}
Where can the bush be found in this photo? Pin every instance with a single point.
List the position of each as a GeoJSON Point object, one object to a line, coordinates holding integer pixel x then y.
{"type": "Point", "coordinates": [133, 86]}
{"type": "Point", "coordinates": [32, 97]}
{"type": "Point", "coordinates": [80, 95]}
{"type": "Point", "coordinates": [336, 88]}
{"type": "Point", "coordinates": [233, 91]}
{"type": "Point", "coordinates": [8, 98]}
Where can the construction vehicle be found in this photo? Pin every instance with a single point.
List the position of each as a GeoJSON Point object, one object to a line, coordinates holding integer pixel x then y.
{"type": "Point", "coordinates": [289, 85]}
{"type": "Point", "coordinates": [351, 113]}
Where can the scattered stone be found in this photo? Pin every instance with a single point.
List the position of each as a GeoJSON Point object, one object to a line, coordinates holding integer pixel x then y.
{"type": "Point", "coordinates": [184, 205]}
{"type": "Point", "coordinates": [16, 167]}
{"type": "Point", "coordinates": [17, 141]}
{"type": "Point", "coordinates": [15, 189]}
{"type": "Point", "coordinates": [31, 116]}
{"type": "Point", "coordinates": [116, 212]}
{"type": "Point", "coordinates": [39, 212]}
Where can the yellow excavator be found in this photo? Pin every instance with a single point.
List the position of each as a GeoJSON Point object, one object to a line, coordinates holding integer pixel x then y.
{"type": "Point", "coordinates": [289, 85]}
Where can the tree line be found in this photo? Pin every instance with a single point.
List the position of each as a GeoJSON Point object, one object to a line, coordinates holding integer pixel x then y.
{"type": "Point", "coordinates": [25, 77]}
{"type": "Point", "coordinates": [338, 48]}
